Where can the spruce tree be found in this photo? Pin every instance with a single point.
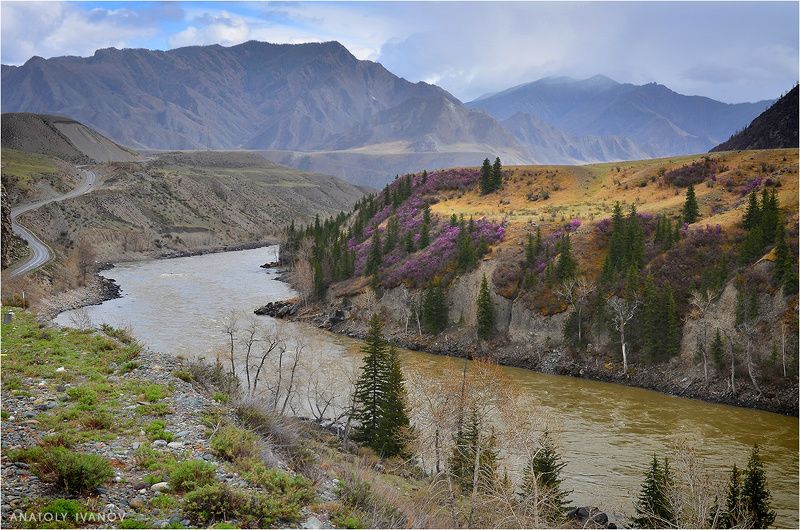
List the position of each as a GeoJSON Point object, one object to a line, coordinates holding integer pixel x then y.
{"type": "Point", "coordinates": [733, 516]}
{"type": "Point", "coordinates": [497, 174]}
{"type": "Point", "coordinates": [691, 212]}
{"type": "Point", "coordinates": [542, 474]}
{"type": "Point", "coordinates": [634, 241]}
{"type": "Point", "coordinates": [392, 234]}
{"type": "Point", "coordinates": [486, 180]}
{"type": "Point", "coordinates": [783, 274]}
{"type": "Point", "coordinates": [567, 267]}
{"type": "Point", "coordinates": [466, 257]}
{"type": "Point", "coordinates": [485, 311]}
{"type": "Point", "coordinates": [394, 425]}
{"type": "Point", "coordinates": [654, 506]}
{"type": "Point", "coordinates": [752, 215]}
{"type": "Point", "coordinates": [770, 215]}
{"type": "Point", "coordinates": [424, 231]}
{"type": "Point", "coordinates": [370, 390]}
{"type": "Point", "coordinates": [434, 308]}
{"type": "Point", "coordinates": [672, 325]}
{"type": "Point", "coordinates": [375, 255]}
{"type": "Point", "coordinates": [756, 496]}
{"type": "Point", "coordinates": [470, 442]}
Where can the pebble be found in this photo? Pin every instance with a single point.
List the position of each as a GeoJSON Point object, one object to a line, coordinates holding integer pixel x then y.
{"type": "Point", "coordinates": [160, 443]}
{"type": "Point", "coordinates": [175, 445]}
{"type": "Point", "coordinates": [160, 487]}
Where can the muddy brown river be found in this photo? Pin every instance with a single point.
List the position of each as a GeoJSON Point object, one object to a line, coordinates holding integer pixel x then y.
{"type": "Point", "coordinates": [607, 432]}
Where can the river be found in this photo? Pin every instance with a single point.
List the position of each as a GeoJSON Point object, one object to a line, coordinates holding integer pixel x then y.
{"type": "Point", "coordinates": [607, 433]}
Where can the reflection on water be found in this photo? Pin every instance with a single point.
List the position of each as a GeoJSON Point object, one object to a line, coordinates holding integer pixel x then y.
{"type": "Point", "coordinates": [607, 432]}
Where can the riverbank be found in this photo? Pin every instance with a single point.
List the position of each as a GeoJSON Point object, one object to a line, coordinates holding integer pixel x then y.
{"type": "Point", "coordinates": [163, 438]}
{"type": "Point", "coordinates": [664, 378]}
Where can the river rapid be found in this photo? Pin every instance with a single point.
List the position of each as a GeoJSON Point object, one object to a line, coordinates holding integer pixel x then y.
{"type": "Point", "coordinates": [607, 433]}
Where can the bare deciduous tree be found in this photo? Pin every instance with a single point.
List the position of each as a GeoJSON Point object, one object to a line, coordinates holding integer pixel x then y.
{"type": "Point", "coordinates": [575, 292]}
{"type": "Point", "coordinates": [622, 311]}
{"type": "Point", "coordinates": [701, 302]}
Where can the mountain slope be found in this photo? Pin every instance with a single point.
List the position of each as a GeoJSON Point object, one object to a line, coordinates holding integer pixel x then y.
{"type": "Point", "coordinates": [635, 121]}
{"type": "Point", "coordinates": [304, 97]}
{"type": "Point", "coordinates": [60, 137]}
{"type": "Point", "coordinates": [775, 128]}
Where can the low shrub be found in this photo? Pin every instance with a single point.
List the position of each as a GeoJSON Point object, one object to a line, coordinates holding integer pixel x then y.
{"type": "Point", "coordinates": [96, 420]}
{"type": "Point", "coordinates": [156, 430]}
{"type": "Point", "coordinates": [215, 502]}
{"type": "Point", "coordinates": [64, 509]}
{"type": "Point", "coordinates": [183, 375]}
{"type": "Point", "coordinates": [190, 475]}
{"type": "Point", "coordinates": [73, 472]}
{"type": "Point", "coordinates": [233, 443]}
{"type": "Point", "coordinates": [82, 395]}
{"type": "Point", "coordinates": [154, 392]}
{"type": "Point", "coordinates": [294, 489]}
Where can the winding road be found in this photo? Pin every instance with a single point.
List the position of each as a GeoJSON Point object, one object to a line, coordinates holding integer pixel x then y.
{"type": "Point", "coordinates": [40, 252]}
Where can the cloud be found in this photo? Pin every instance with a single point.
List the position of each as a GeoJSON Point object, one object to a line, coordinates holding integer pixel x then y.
{"type": "Point", "coordinates": [220, 28]}
{"type": "Point", "coordinates": [61, 28]}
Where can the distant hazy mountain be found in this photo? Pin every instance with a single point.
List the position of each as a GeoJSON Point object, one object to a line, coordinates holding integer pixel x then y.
{"type": "Point", "coordinates": [775, 128]}
{"type": "Point", "coordinates": [601, 117]}
{"type": "Point", "coordinates": [305, 97]}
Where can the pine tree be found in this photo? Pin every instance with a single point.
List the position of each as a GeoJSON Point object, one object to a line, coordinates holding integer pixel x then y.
{"type": "Point", "coordinates": [408, 242]}
{"type": "Point", "coordinates": [375, 256]}
{"type": "Point", "coordinates": [783, 273]}
{"type": "Point", "coordinates": [319, 281]}
{"type": "Point", "coordinates": [672, 326]}
{"type": "Point", "coordinates": [691, 212]}
{"type": "Point", "coordinates": [755, 493]}
{"type": "Point", "coordinates": [654, 508]}
{"type": "Point", "coordinates": [752, 215]}
{"type": "Point", "coordinates": [424, 177]}
{"type": "Point", "coordinates": [616, 246]}
{"type": "Point", "coordinates": [470, 442]}
{"type": "Point", "coordinates": [394, 425]}
{"type": "Point", "coordinates": [434, 308]}
{"type": "Point", "coordinates": [542, 476]}
{"type": "Point", "coordinates": [486, 180]}
{"type": "Point", "coordinates": [466, 257]}
{"type": "Point", "coordinates": [424, 231]}
{"type": "Point", "coordinates": [485, 311]}
{"type": "Point", "coordinates": [733, 516]}
{"type": "Point", "coordinates": [718, 350]}
{"type": "Point", "coordinates": [567, 267]}
{"type": "Point", "coordinates": [370, 391]}
{"type": "Point", "coordinates": [634, 241]}
{"type": "Point", "coordinates": [497, 174]}
{"type": "Point", "coordinates": [392, 234]}
{"type": "Point", "coordinates": [650, 318]}
{"type": "Point", "coordinates": [770, 215]}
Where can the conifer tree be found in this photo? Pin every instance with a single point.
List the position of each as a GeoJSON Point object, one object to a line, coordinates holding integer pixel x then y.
{"type": "Point", "coordinates": [466, 257]}
{"type": "Point", "coordinates": [691, 212]}
{"type": "Point", "coordinates": [755, 493]}
{"type": "Point", "coordinates": [485, 311]}
{"type": "Point", "coordinates": [654, 507]}
{"type": "Point", "coordinates": [672, 325]}
{"type": "Point", "coordinates": [394, 424]}
{"type": "Point", "coordinates": [392, 233]}
{"type": "Point", "coordinates": [424, 176]}
{"type": "Point", "coordinates": [769, 216]}
{"type": "Point", "coordinates": [497, 174]}
{"type": "Point", "coordinates": [733, 516]}
{"type": "Point", "coordinates": [542, 477]}
{"type": "Point", "coordinates": [752, 215]}
{"type": "Point", "coordinates": [567, 267]}
{"type": "Point", "coordinates": [434, 308]}
{"type": "Point", "coordinates": [375, 255]}
{"type": "Point", "coordinates": [370, 391]}
{"type": "Point", "coordinates": [471, 443]}
{"type": "Point", "coordinates": [486, 180]}
{"type": "Point", "coordinates": [634, 241]}
{"type": "Point", "coordinates": [424, 231]}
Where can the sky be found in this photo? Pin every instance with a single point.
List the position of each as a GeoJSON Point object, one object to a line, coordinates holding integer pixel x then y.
{"type": "Point", "coordinates": [730, 51]}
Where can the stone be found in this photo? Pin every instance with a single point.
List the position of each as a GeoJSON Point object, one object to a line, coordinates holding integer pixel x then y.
{"type": "Point", "coordinates": [61, 369]}
{"type": "Point", "coordinates": [160, 443]}
{"type": "Point", "coordinates": [600, 518]}
{"type": "Point", "coordinates": [136, 445]}
{"type": "Point", "coordinates": [160, 487]}
{"type": "Point", "coordinates": [311, 522]}
{"type": "Point", "coordinates": [175, 445]}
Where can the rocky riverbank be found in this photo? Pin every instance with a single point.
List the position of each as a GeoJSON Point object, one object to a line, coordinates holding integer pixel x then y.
{"type": "Point", "coordinates": [665, 378]}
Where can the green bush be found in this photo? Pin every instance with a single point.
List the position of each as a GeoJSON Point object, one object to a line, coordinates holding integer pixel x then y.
{"type": "Point", "coordinates": [65, 509]}
{"type": "Point", "coordinates": [295, 490]}
{"type": "Point", "coordinates": [129, 366]}
{"type": "Point", "coordinates": [233, 443]}
{"type": "Point", "coordinates": [183, 375]}
{"type": "Point", "coordinates": [134, 523]}
{"type": "Point", "coordinates": [190, 475]}
{"type": "Point", "coordinates": [216, 502]}
{"type": "Point", "coordinates": [71, 471]}
{"type": "Point", "coordinates": [156, 430]}
{"type": "Point", "coordinates": [163, 502]}
{"type": "Point", "coordinates": [153, 392]}
{"type": "Point", "coordinates": [84, 396]}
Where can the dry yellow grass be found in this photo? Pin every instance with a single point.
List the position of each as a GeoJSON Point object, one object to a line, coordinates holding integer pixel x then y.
{"type": "Point", "coordinates": [589, 192]}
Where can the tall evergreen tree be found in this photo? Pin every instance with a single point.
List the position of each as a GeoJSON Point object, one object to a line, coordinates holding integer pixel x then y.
{"type": "Point", "coordinates": [486, 181]}
{"type": "Point", "coordinates": [434, 308]}
{"type": "Point", "coordinates": [691, 212]}
{"type": "Point", "coordinates": [755, 492]}
{"type": "Point", "coordinates": [542, 474]}
{"type": "Point", "coordinates": [718, 350]}
{"type": "Point", "coordinates": [392, 233]}
{"type": "Point", "coordinates": [497, 174]}
{"type": "Point", "coordinates": [375, 256]}
{"type": "Point", "coordinates": [394, 425]}
{"type": "Point", "coordinates": [485, 311]}
{"type": "Point", "coordinates": [752, 215]}
{"type": "Point", "coordinates": [471, 442]}
{"type": "Point", "coordinates": [734, 515]}
{"type": "Point", "coordinates": [424, 231]}
{"type": "Point", "coordinates": [467, 255]}
{"type": "Point", "coordinates": [654, 507]}
{"type": "Point", "coordinates": [370, 390]}
{"type": "Point", "coordinates": [567, 267]}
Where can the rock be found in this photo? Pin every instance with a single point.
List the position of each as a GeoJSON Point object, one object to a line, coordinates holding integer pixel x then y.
{"type": "Point", "coordinates": [182, 434]}
{"type": "Point", "coordinates": [160, 487]}
{"type": "Point", "coordinates": [137, 503]}
{"type": "Point", "coordinates": [160, 443]}
{"type": "Point", "coordinates": [136, 445]}
{"type": "Point", "coordinates": [600, 518]}
{"type": "Point", "coordinates": [311, 522]}
{"type": "Point", "coordinates": [61, 369]}
{"type": "Point", "coordinates": [175, 445]}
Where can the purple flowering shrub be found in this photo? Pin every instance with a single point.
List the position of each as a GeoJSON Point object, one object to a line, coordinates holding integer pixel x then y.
{"type": "Point", "coordinates": [693, 173]}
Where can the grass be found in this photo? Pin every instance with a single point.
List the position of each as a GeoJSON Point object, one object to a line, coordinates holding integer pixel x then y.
{"type": "Point", "coordinates": [25, 168]}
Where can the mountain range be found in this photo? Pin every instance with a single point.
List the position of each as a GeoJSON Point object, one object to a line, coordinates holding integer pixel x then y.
{"type": "Point", "coordinates": [317, 107]}
{"type": "Point", "coordinates": [775, 128]}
